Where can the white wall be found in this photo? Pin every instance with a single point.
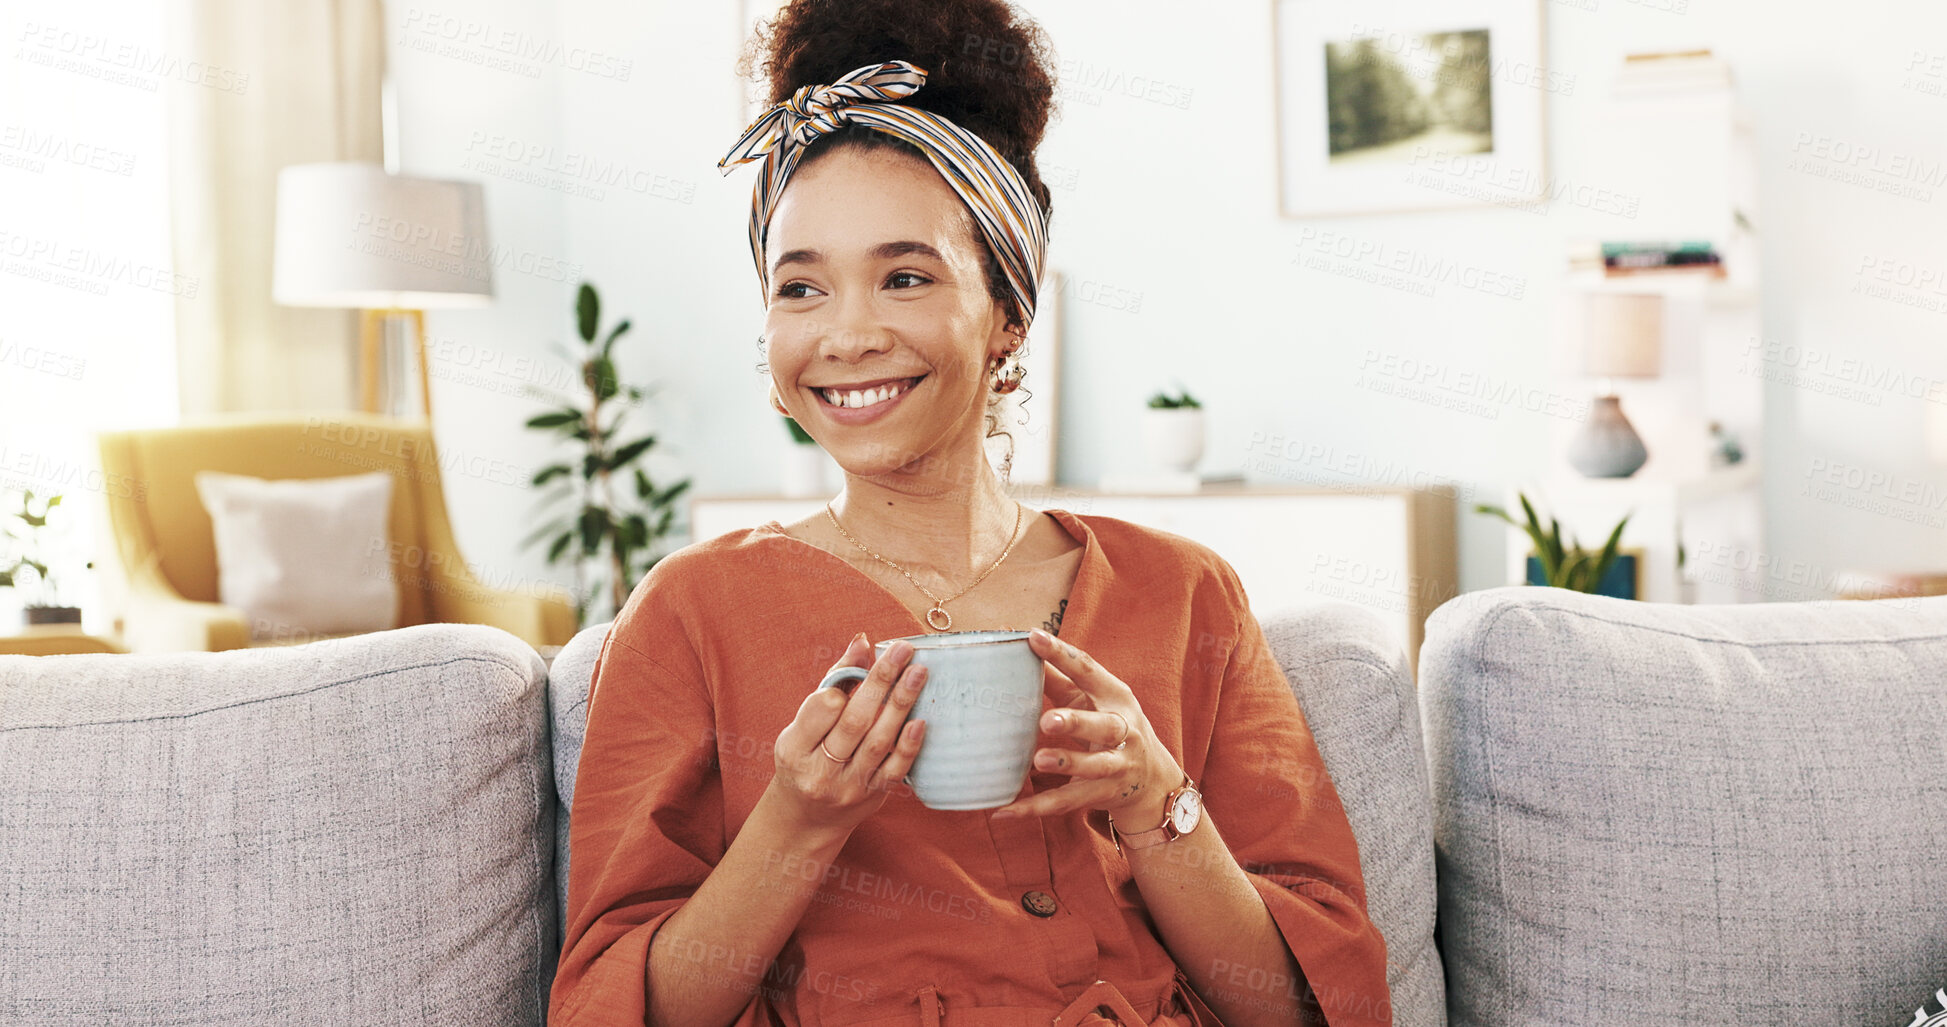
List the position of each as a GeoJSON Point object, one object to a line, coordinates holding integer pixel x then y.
{"type": "Point", "coordinates": [1187, 222]}
{"type": "Point", "coordinates": [87, 286]}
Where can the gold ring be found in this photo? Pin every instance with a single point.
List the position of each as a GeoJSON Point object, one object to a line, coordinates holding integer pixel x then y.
{"type": "Point", "coordinates": [829, 756]}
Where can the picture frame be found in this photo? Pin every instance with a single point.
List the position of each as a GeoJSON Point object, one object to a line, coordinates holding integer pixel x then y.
{"type": "Point", "coordinates": [1032, 413]}
{"type": "Point", "coordinates": [1406, 105]}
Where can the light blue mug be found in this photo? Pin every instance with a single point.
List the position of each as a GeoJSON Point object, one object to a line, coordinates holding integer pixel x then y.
{"type": "Point", "coordinates": [982, 708]}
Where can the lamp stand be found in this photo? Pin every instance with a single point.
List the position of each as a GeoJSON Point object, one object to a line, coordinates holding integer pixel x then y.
{"type": "Point", "coordinates": [371, 339]}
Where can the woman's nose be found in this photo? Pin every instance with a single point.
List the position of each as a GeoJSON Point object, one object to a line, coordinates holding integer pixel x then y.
{"type": "Point", "coordinates": [853, 331]}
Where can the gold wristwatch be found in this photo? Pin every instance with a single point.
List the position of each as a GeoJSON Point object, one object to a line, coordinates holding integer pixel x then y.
{"type": "Point", "coordinates": [1182, 809]}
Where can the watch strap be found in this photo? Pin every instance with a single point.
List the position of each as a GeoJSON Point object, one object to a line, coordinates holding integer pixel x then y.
{"type": "Point", "coordinates": [1166, 832]}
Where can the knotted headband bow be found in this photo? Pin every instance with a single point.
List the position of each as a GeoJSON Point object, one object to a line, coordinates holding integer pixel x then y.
{"type": "Point", "coordinates": [1009, 217]}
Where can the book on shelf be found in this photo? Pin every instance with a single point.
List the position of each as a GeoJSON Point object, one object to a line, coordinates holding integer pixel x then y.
{"type": "Point", "coordinates": [1634, 257]}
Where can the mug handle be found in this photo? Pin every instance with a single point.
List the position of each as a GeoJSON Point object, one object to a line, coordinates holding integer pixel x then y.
{"type": "Point", "coordinates": [840, 675]}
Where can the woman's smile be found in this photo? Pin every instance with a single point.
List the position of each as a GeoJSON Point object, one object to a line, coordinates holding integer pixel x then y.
{"type": "Point", "coordinates": [863, 405]}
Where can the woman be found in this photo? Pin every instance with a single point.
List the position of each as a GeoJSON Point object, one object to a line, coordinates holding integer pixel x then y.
{"type": "Point", "coordinates": [742, 850]}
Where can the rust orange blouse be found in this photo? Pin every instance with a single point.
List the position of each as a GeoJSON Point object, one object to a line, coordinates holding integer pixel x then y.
{"type": "Point", "coordinates": [926, 910]}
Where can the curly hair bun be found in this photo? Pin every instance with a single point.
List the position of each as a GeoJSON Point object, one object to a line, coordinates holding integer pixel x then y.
{"type": "Point", "coordinates": [989, 68]}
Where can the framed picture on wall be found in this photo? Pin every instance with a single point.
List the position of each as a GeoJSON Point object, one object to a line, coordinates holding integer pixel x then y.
{"type": "Point", "coordinates": [1392, 105]}
{"type": "Point", "coordinates": [1032, 413]}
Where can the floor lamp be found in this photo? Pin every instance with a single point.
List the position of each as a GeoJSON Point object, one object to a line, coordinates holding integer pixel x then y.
{"type": "Point", "coordinates": [350, 235]}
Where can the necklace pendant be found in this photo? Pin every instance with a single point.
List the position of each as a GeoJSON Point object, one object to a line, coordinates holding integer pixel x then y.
{"type": "Point", "coordinates": [945, 621]}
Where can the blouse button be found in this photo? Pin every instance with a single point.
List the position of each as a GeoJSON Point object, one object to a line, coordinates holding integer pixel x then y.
{"type": "Point", "coordinates": [1040, 903]}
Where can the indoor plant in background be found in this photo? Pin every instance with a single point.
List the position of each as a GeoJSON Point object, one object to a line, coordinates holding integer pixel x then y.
{"type": "Point", "coordinates": [1570, 566]}
{"type": "Point", "coordinates": [1173, 431]}
{"type": "Point", "coordinates": [25, 563]}
{"type": "Point", "coordinates": [594, 523]}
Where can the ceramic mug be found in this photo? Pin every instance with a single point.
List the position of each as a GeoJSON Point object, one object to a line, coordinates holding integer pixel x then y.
{"type": "Point", "coordinates": [982, 706]}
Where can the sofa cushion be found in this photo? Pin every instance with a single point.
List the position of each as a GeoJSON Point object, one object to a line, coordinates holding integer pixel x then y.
{"type": "Point", "coordinates": [345, 832]}
{"type": "Point", "coordinates": [1660, 814]}
{"type": "Point", "coordinates": [1350, 675]}
{"type": "Point", "coordinates": [303, 556]}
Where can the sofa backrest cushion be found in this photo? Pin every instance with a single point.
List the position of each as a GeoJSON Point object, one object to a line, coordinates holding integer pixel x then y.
{"type": "Point", "coordinates": [1661, 814]}
{"type": "Point", "coordinates": [351, 831]}
{"type": "Point", "coordinates": [568, 679]}
{"type": "Point", "coordinates": [1350, 674]}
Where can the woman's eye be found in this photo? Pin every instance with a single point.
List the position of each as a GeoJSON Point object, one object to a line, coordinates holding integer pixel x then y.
{"type": "Point", "coordinates": [916, 279]}
{"type": "Point", "coordinates": [792, 290]}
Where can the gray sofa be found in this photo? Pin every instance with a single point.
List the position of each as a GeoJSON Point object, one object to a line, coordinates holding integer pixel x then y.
{"type": "Point", "coordinates": [1643, 815]}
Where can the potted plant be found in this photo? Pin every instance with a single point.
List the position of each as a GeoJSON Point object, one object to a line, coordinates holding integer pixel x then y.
{"type": "Point", "coordinates": [805, 464]}
{"type": "Point", "coordinates": [1173, 431]}
{"type": "Point", "coordinates": [594, 524]}
{"type": "Point", "coordinates": [26, 564]}
{"type": "Point", "coordinates": [1569, 565]}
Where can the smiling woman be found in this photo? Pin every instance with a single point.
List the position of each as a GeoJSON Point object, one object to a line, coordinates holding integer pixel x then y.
{"type": "Point", "coordinates": [898, 230]}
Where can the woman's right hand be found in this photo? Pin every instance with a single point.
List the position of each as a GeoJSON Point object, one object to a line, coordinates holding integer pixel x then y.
{"type": "Point", "coordinates": [867, 729]}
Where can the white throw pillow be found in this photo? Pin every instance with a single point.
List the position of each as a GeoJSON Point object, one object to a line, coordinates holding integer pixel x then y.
{"type": "Point", "coordinates": [303, 556]}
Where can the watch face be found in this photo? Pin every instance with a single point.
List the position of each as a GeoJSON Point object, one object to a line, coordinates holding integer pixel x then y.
{"type": "Point", "coordinates": [1186, 810]}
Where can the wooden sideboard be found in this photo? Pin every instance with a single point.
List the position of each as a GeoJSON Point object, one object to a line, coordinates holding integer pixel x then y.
{"type": "Point", "coordinates": [1391, 550]}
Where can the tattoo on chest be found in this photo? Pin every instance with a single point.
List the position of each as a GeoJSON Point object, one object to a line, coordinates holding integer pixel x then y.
{"type": "Point", "coordinates": [1053, 624]}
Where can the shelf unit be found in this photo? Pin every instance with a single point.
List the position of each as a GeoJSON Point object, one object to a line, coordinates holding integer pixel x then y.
{"type": "Point", "coordinates": [1690, 156]}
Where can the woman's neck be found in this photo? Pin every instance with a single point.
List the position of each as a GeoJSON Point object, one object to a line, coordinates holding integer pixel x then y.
{"type": "Point", "coordinates": [952, 524]}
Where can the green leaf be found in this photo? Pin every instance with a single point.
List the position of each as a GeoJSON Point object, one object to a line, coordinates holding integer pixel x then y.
{"type": "Point", "coordinates": [1610, 550]}
{"type": "Point", "coordinates": [554, 419]}
{"type": "Point", "coordinates": [591, 465]}
{"type": "Point", "coordinates": [588, 311]}
{"type": "Point", "coordinates": [670, 493]}
{"type": "Point", "coordinates": [643, 489]}
{"type": "Point", "coordinates": [622, 457]}
{"type": "Point", "coordinates": [560, 546]}
{"type": "Point", "coordinates": [609, 343]}
{"type": "Point", "coordinates": [595, 526]}
{"type": "Point", "coordinates": [553, 525]}
{"type": "Point", "coordinates": [551, 471]}
{"type": "Point", "coordinates": [1573, 570]}
{"type": "Point", "coordinates": [599, 374]}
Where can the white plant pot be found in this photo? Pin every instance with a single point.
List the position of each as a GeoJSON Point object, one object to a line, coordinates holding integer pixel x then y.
{"type": "Point", "coordinates": [1173, 437]}
{"type": "Point", "coordinates": [804, 470]}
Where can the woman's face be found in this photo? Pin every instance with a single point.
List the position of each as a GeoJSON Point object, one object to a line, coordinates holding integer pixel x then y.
{"type": "Point", "coordinates": [877, 281]}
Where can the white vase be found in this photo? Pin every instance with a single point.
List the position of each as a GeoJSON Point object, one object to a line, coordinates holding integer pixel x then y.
{"type": "Point", "coordinates": [1173, 437]}
{"type": "Point", "coordinates": [804, 470]}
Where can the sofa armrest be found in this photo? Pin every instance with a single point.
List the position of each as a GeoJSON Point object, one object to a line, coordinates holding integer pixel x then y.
{"type": "Point", "coordinates": [159, 619]}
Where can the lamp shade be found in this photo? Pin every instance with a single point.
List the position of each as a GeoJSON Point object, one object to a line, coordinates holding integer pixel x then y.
{"type": "Point", "coordinates": [1624, 336]}
{"type": "Point", "coordinates": [350, 235]}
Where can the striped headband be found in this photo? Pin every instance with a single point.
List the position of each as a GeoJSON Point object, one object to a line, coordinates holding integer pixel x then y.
{"type": "Point", "coordinates": [1009, 217]}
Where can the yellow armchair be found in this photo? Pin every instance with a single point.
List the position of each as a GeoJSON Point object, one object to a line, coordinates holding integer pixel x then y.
{"type": "Point", "coordinates": [167, 548]}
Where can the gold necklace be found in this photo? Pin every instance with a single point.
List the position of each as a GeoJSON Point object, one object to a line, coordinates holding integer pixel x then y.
{"type": "Point", "coordinates": [939, 605]}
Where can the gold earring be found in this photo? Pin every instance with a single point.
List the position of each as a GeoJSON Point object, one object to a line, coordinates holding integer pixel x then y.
{"type": "Point", "coordinates": [777, 402]}
{"type": "Point", "coordinates": [1011, 380]}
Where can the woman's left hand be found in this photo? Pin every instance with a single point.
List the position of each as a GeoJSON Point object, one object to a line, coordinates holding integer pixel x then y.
{"type": "Point", "coordinates": [1129, 782]}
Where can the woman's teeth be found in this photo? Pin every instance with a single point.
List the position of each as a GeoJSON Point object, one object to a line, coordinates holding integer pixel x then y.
{"type": "Point", "coordinates": [865, 397]}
